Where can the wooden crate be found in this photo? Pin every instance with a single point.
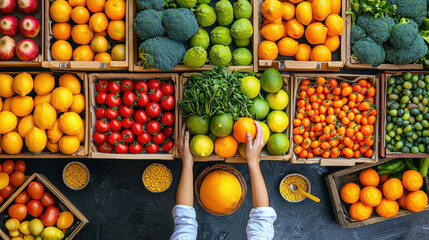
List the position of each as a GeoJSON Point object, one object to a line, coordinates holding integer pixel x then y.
{"type": "Point", "coordinates": [290, 64]}
{"type": "Point", "coordinates": [49, 62]}
{"type": "Point", "coordinates": [93, 78]}
{"type": "Point", "coordinates": [384, 152]}
{"type": "Point", "coordinates": [134, 42]}
{"type": "Point", "coordinates": [65, 205]}
{"type": "Point", "coordinates": [340, 161]}
{"type": "Point", "coordinates": [341, 210]}
{"type": "Point", "coordinates": [83, 150]}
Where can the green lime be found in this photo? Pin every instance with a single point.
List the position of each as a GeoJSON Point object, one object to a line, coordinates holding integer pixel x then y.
{"type": "Point", "coordinates": [201, 146]}
{"type": "Point", "coordinates": [266, 131]}
{"type": "Point", "coordinates": [221, 125]}
{"type": "Point", "coordinates": [277, 121]}
{"type": "Point", "coordinates": [250, 86]}
{"type": "Point", "coordinates": [271, 80]}
{"type": "Point", "coordinates": [278, 144]}
{"type": "Point", "coordinates": [279, 100]}
{"type": "Point", "coordinates": [197, 124]}
{"type": "Point", "coordinates": [260, 108]}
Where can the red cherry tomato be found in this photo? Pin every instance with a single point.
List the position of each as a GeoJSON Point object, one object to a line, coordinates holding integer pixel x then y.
{"type": "Point", "coordinates": [121, 148]}
{"type": "Point", "coordinates": [17, 178]}
{"type": "Point", "coordinates": [18, 211]}
{"type": "Point", "coordinates": [167, 119]}
{"type": "Point", "coordinates": [47, 200]}
{"type": "Point", "coordinates": [114, 86]}
{"type": "Point", "coordinates": [153, 127]}
{"type": "Point", "coordinates": [20, 166]}
{"type": "Point", "coordinates": [101, 86]}
{"type": "Point", "coordinates": [99, 137]}
{"type": "Point", "coordinates": [137, 128]}
{"type": "Point", "coordinates": [153, 109]}
{"type": "Point", "coordinates": [115, 125]}
{"type": "Point", "coordinates": [8, 166]}
{"type": "Point", "coordinates": [126, 111]}
{"type": "Point", "coordinates": [35, 190]}
{"type": "Point", "coordinates": [168, 146]}
{"type": "Point", "coordinates": [141, 86]}
{"type": "Point", "coordinates": [141, 117]}
{"type": "Point", "coordinates": [142, 99]}
{"type": "Point", "coordinates": [23, 197]}
{"type": "Point", "coordinates": [127, 136]}
{"type": "Point", "coordinates": [112, 113]}
{"type": "Point", "coordinates": [127, 122]}
{"type": "Point", "coordinates": [128, 98]}
{"type": "Point", "coordinates": [100, 97]}
{"type": "Point", "coordinates": [35, 208]}
{"type": "Point", "coordinates": [155, 94]}
{"type": "Point", "coordinates": [167, 88]}
{"type": "Point", "coordinates": [127, 85]}
{"type": "Point", "coordinates": [102, 125]}
{"type": "Point", "coordinates": [135, 148]}
{"type": "Point", "coordinates": [152, 148]}
{"type": "Point", "coordinates": [7, 191]}
{"type": "Point", "coordinates": [168, 102]}
{"type": "Point", "coordinates": [105, 148]}
{"type": "Point", "coordinates": [154, 83]}
{"type": "Point", "coordinates": [144, 138]}
{"type": "Point", "coordinates": [158, 138]}
{"type": "Point", "coordinates": [114, 138]}
{"type": "Point", "coordinates": [100, 112]}
{"type": "Point", "coordinates": [168, 131]}
{"type": "Point", "coordinates": [50, 216]}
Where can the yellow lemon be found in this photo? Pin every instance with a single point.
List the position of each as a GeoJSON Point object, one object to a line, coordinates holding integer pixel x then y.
{"type": "Point", "coordinates": [71, 82]}
{"type": "Point", "coordinates": [6, 83]}
{"type": "Point", "coordinates": [11, 143]}
{"type": "Point", "coordinates": [69, 144]}
{"type": "Point", "coordinates": [278, 100]}
{"type": "Point", "coordinates": [36, 140]}
{"type": "Point", "coordinates": [44, 83]}
{"type": "Point", "coordinates": [22, 106]}
{"type": "Point", "coordinates": [70, 123]}
{"type": "Point", "coordinates": [25, 125]}
{"type": "Point", "coordinates": [201, 146]}
{"type": "Point", "coordinates": [54, 134]}
{"type": "Point", "coordinates": [78, 104]}
{"type": "Point", "coordinates": [8, 122]}
{"type": "Point", "coordinates": [7, 102]}
{"type": "Point", "coordinates": [45, 116]}
{"type": "Point", "coordinates": [81, 135]}
{"type": "Point", "coordinates": [62, 98]}
{"type": "Point", "coordinates": [23, 84]}
{"type": "Point", "coordinates": [118, 52]}
{"type": "Point", "coordinates": [277, 121]}
{"type": "Point", "coordinates": [266, 131]}
{"type": "Point", "coordinates": [53, 147]}
{"type": "Point", "coordinates": [42, 98]}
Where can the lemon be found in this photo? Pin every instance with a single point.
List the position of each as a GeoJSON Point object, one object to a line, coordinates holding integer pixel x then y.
{"type": "Point", "coordinates": [8, 122]}
{"type": "Point", "coordinates": [78, 104]}
{"type": "Point", "coordinates": [70, 123]}
{"type": "Point", "coordinates": [44, 83]}
{"type": "Point", "coordinates": [11, 143]}
{"type": "Point", "coordinates": [250, 86]}
{"type": "Point", "coordinates": [25, 125]}
{"type": "Point", "coordinates": [36, 140]}
{"type": "Point", "coordinates": [54, 134]}
{"type": "Point", "coordinates": [45, 116]}
{"type": "Point", "coordinates": [69, 144]}
{"type": "Point", "coordinates": [201, 146]}
{"type": "Point", "coordinates": [266, 131]}
{"type": "Point", "coordinates": [23, 84]}
{"type": "Point", "coordinates": [23, 228]}
{"type": "Point", "coordinates": [71, 82]}
{"type": "Point", "coordinates": [278, 100]}
{"type": "Point", "coordinates": [42, 98]}
{"type": "Point", "coordinates": [62, 98]}
{"type": "Point", "coordinates": [118, 52]}
{"type": "Point", "coordinates": [53, 147]}
{"type": "Point", "coordinates": [22, 106]}
{"type": "Point", "coordinates": [7, 103]}
{"type": "Point", "coordinates": [6, 83]}
{"type": "Point", "coordinates": [277, 121]}
{"type": "Point", "coordinates": [81, 135]}
{"type": "Point", "coordinates": [242, 150]}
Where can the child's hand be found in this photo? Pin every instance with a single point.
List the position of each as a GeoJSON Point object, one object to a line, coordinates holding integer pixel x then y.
{"type": "Point", "coordinates": [183, 146]}
{"type": "Point", "coordinates": [253, 151]}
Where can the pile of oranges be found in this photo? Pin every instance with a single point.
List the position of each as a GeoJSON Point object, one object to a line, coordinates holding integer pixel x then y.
{"type": "Point", "coordinates": [385, 194]}
{"type": "Point", "coordinates": [334, 119]}
{"type": "Point", "coordinates": [85, 29]}
{"type": "Point", "coordinates": [294, 23]}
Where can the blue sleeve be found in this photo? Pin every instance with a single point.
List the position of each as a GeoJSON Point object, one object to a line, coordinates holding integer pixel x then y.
{"type": "Point", "coordinates": [260, 225]}
{"type": "Point", "coordinates": [185, 223]}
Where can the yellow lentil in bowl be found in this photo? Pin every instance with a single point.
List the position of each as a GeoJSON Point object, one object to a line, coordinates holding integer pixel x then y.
{"type": "Point", "coordinates": [157, 178]}
{"type": "Point", "coordinates": [298, 180]}
{"type": "Point", "coordinates": [76, 175]}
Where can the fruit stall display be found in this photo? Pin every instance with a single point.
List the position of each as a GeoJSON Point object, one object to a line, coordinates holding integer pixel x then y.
{"type": "Point", "coordinates": [21, 33]}
{"type": "Point", "coordinates": [336, 119]}
{"type": "Point", "coordinates": [133, 116]}
{"type": "Point", "coordinates": [301, 35]}
{"type": "Point", "coordinates": [84, 34]}
{"type": "Point", "coordinates": [12, 176]}
{"type": "Point", "coordinates": [43, 115]}
{"type": "Point", "coordinates": [371, 193]}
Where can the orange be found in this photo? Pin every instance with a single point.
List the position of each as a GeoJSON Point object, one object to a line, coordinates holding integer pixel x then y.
{"type": "Point", "coordinates": [98, 22]}
{"type": "Point", "coordinates": [369, 177]}
{"type": "Point", "coordinates": [277, 21]}
{"type": "Point", "coordinates": [316, 33]}
{"type": "Point", "coordinates": [393, 189]}
{"type": "Point", "coordinates": [115, 9]}
{"type": "Point", "coordinates": [103, 57]}
{"type": "Point", "coordinates": [321, 9]}
{"type": "Point", "coordinates": [402, 200]}
{"type": "Point", "coordinates": [272, 9]}
{"type": "Point", "coordinates": [81, 34]}
{"type": "Point", "coordinates": [336, 6]}
{"type": "Point", "coordinates": [116, 30]}
{"type": "Point", "coordinates": [295, 1]}
{"type": "Point", "coordinates": [60, 11]}
{"type": "Point", "coordinates": [61, 31]}
{"type": "Point", "coordinates": [335, 25]}
{"type": "Point", "coordinates": [288, 10]}
{"type": "Point", "coordinates": [360, 211]}
{"type": "Point", "coordinates": [294, 29]}
{"type": "Point", "coordinates": [99, 44]}
{"type": "Point", "coordinates": [80, 15]}
{"type": "Point", "coordinates": [321, 53]}
{"type": "Point", "coordinates": [103, 33]}
{"type": "Point", "coordinates": [412, 180]}
{"type": "Point", "coordinates": [416, 201]}
{"type": "Point", "coordinates": [226, 147]}
{"type": "Point", "coordinates": [83, 53]}
{"type": "Point", "coordinates": [95, 5]}
{"type": "Point", "coordinates": [303, 53]}
{"type": "Point", "coordinates": [287, 46]}
{"type": "Point", "coordinates": [243, 126]}
{"type": "Point", "coordinates": [284, 27]}
{"type": "Point", "coordinates": [75, 3]}
{"type": "Point", "coordinates": [272, 32]}
{"type": "Point", "coordinates": [61, 50]}
{"type": "Point", "coordinates": [332, 43]}
{"type": "Point", "coordinates": [370, 196]}
{"type": "Point", "coordinates": [118, 52]}
{"type": "Point", "coordinates": [387, 208]}
{"type": "Point", "coordinates": [350, 193]}
{"type": "Point", "coordinates": [304, 13]}
{"type": "Point", "coordinates": [268, 50]}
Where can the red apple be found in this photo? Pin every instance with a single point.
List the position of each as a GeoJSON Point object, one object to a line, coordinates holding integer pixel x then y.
{"type": "Point", "coordinates": [7, 48]}
{"type": "Point", "coordinates": [27, 50]}
{"type": "Point", "coordinates": [29, 26]}
{"type": "Point", "coordinates": [27, 6]}
{"type": "Point", "coordinates": [7, 6]}
{"type": "Point", "coordinates": [9, 25]}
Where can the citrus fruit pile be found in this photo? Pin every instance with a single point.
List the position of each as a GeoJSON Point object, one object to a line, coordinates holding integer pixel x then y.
{"type": "Point", "coordinates": [334, 118]}
{"type": "Point", "coordinates": [306, 30]}
{"type": "Point", "coordinates": [42, 111]}
{"type": "Point", "coordinates": [12, 176]}
{"type": "Point", "coordinates": [91, 30]}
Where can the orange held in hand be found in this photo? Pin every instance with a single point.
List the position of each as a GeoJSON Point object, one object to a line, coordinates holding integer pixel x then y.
{"type": "Point", "coordinates": [360, 211]}
{"type": "Point", "coordinates": [226, 147]}
{"type": "Point", "coordinates": [350, 193]}
{"type": "Point", "coordinates": [243, 126]}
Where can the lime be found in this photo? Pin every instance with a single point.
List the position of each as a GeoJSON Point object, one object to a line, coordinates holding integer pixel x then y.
{"type": "Point", "coordinates": [197, 124]}
{"type": "Point", "coordinates": [242, 150]}
{"type": "Point", "coordinates": [260, 108]}
{"type": "Point", "coordinates": [271, 80]}
{"type": "Point", "coordinates": [266, 131]}
{"type": "Point", "coordinates": [279, 100]}
{"type": "Point", "coordinates": [201, 146]}
{"type": "Point", "coordinates": [250, 86]}
{"type": "Point", "coordinates": [277, 121]}
{"type": "Point", "coordinates": [278, 144]}
{"type": "Point", "coordinates": [221, 125]}
{"type": "Point", "coordinates": [241, 57]}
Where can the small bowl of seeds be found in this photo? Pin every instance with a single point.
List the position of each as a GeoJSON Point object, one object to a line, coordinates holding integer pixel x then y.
{"type": "Point", "coordinates": [157, 178]}
{"type": "Point", "coordinates": [298, 180]}
{"type": "Point", "coordinates": [76, 175]}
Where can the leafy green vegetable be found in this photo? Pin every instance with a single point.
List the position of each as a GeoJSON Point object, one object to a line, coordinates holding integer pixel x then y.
{"type": "Point", "coordinates": [376, 8]}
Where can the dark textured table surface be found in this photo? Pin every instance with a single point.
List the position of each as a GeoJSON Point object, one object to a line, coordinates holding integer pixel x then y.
{"type": "Point", "coordinates": [119, 207]}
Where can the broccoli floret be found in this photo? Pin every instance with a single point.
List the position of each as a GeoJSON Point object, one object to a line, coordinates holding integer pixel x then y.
{"type": "Point", "coordinates": [415, 51]}
{"type": "Point", "coordinates": [378, 29]}
{"type": "Point", "coordinates": [404, 33]}
{"type": "Point", "coordinates": [161, 52]}
{"type": "Point", "coordinates": [148, 24]}
{"type": "Point", "coordinates": [356, 34]}
{"type": "Point", "coordinates": [150, 4]}
{"type": "Point", "coordinates": [180, 24]}
{"type": "Point", "coordinates": [368, 51]}
{"type": "Point", "coordinates": [415, 9]}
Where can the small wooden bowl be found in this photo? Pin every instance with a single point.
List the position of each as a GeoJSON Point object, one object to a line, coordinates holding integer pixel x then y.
{"type": "Point", "coordinates": [155, 164]}
{"type": "Point", "coordinates": [291, 175]}
{"type": "Point", "coordinates": [64, 178]}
